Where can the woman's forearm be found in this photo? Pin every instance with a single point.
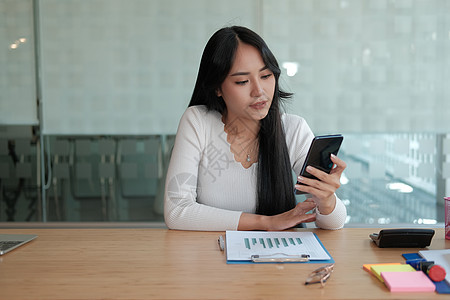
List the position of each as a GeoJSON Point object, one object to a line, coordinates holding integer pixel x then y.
{"type": "Point", "coordinates": [253, 222]}
{"type": "Point", "coordinates": [289, 219]}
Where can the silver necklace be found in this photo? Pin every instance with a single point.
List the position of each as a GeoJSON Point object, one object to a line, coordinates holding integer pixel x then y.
{"type": "Point", "coordinates": [233, 131]}
{"type": "Point", "coordinates": [249, 159]}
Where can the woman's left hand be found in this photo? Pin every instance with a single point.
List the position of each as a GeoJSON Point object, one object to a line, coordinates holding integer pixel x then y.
{"type": "Point", "coordinates": [322, 190]}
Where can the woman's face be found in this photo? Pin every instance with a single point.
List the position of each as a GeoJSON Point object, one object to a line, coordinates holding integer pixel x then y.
{"type": "Point", "coordinates": [249, 87]}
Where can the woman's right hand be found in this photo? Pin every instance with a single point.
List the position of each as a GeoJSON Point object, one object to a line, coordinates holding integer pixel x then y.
{"type": "Point", "coordinates": [292, 217]}
{"type": "Point", "coordinates": [281, 221]}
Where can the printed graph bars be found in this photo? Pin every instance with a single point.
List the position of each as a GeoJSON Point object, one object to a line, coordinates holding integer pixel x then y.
{"type": "Point", "coordinates": [271, 243]}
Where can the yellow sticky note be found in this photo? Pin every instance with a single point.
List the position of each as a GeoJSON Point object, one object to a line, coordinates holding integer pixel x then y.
{"type": "Point", "coordinates": [367, 267]}
{"type": "Point", "coordinates": [376, 270]}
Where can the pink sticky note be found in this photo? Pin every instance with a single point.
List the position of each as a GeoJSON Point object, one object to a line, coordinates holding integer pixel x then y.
{"type": "Point", "coordinates": [408, 281]}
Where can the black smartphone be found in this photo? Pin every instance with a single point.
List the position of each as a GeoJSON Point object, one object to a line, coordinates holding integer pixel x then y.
{"type": "Point", "coordinates": [319, 154]}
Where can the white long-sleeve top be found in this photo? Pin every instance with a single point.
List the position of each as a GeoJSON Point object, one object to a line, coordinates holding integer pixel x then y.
{"type": "Point", "coordinates": [206, 189]}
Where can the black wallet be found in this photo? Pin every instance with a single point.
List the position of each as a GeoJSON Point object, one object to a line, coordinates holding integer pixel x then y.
{"type": "Point", "coordinates": [403, 238]}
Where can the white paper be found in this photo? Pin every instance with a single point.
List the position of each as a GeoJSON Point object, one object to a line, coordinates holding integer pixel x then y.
{"type": "Point", "coordinates": [241, 245]}
{"type": "Point", "coordinates": [440, 257]}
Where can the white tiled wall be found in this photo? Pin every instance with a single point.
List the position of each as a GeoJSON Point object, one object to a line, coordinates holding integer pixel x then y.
{"type": "Point", "coordinates": [365, 66]}
{"type": "Point", "coordinates": [17, 64]}
{"type": "Point", "coordinates": [128, 67]}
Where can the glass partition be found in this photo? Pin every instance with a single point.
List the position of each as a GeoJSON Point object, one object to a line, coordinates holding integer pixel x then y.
{"type": "Point", "coordinates": [91, 93]}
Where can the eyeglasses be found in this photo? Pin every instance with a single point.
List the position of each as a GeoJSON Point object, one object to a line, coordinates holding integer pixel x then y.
{"type": "Point", "coordinates": [320, 275]}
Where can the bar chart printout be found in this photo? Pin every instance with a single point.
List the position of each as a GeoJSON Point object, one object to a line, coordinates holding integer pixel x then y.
{"type": "Point", "coordinates": [271, 243]}
{"type": "Point", "coordinates": [241, 245]}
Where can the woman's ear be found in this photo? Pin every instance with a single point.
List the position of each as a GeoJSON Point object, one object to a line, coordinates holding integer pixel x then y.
{"type": "Point", "coordinates": [218, 93]}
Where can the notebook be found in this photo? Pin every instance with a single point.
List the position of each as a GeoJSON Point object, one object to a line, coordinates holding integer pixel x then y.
{"type": "Point", "coordinates": [10, 242]}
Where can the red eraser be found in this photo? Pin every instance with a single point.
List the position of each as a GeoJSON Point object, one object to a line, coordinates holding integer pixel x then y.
{"type": "Point", "coordinates": [437, 273]}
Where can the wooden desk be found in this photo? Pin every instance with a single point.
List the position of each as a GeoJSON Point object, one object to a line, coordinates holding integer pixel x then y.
{"type": "Point", "coordinates": [166, 264]}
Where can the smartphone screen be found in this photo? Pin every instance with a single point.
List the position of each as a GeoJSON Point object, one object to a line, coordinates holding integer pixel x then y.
{"type": "Point", "coordinates": [319, 154]}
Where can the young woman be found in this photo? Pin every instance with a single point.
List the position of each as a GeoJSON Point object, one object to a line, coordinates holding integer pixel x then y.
{"type": "Point", "coordinates": [234, 153]}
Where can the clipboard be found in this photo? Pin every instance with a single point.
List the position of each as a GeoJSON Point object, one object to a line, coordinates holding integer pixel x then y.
{"type": "Point", "coordinates": [247, 247]}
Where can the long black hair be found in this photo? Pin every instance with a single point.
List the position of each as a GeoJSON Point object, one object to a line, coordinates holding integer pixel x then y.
{"type": "Point", "coordinates": [274, 184]}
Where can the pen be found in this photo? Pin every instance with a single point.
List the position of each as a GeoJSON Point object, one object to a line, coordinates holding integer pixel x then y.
{"type": "Point", "coordinates": [221, 243]}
